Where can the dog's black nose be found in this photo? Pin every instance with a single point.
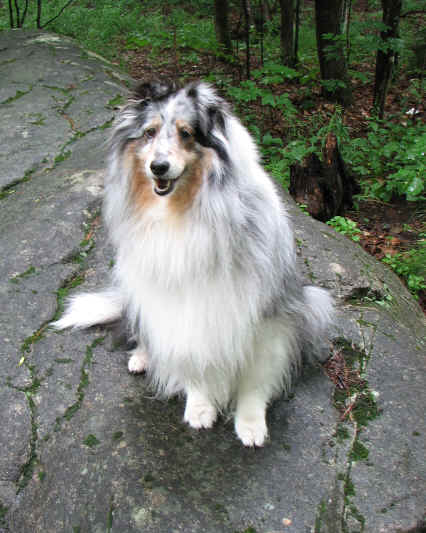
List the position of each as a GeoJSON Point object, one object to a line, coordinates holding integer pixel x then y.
{"type": "Point", "coordinates": [159, 168]}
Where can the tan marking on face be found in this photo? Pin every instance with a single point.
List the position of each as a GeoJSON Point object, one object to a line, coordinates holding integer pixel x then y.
{"type": "Point", "coordinates": [197, 169]}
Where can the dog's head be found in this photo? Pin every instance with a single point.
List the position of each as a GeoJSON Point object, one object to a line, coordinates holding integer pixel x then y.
{"type": "Point", "coordinates": [170, 137]}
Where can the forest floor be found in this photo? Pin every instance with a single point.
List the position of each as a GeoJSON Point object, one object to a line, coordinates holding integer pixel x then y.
{"type": "Point", "coordinates": [387, 228]}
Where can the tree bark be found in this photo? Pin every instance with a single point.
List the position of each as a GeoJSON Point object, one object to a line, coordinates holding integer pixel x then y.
{"type": "Point", "coordinates": [221, 25]}
{"type": "Point", "coordinates": [330, 45]}
{"type": "Point", "coordinates": [288, 33]}
{"type": "Point", "coordinates": [386, 54]}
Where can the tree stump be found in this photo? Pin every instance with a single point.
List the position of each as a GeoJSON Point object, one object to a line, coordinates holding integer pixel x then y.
{"type": "Point", "coordinates": [324, 187]}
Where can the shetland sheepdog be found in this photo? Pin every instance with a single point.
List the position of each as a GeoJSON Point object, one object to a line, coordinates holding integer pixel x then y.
{"type": "Point", "coordinates": [205, 267]}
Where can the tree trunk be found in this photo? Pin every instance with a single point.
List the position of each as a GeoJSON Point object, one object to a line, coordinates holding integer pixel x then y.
{"type": "Point", "coordinates": [296, 32]}
{"type": "Point", "coordinates": [38, 14]}
{"type": "Point", "coordinates": [221, 25]}
{"type": "Point", "coordinates": [261, 31]}
{"type": "Point", "coordinates": [346, 23]}
{"type": "Point", "coordinates": [324, 187]}
{"type": "Point", "coordinates": [11, 21]}
{"type": "Point", "coordinates": [268, 10]}
{"type": "Point", "coordinates": [246, 10]}
{"type": "Point", "coordinates": [17, 14]}
{"type": "Point", "coordinates": [288, 33]}
{"type": "Point", "coordinates": [330, 45]}
{"type": "Point", "coordinates": [386, 54]}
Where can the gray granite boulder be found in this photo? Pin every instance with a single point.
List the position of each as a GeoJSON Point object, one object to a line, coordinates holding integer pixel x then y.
{"type": "Point", "coordinates": [85, 448]}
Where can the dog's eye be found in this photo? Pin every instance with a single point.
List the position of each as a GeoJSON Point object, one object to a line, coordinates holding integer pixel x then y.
{"type": "Point", "coordinates": [185, 134]}
{"type": "Point", "coordinates": [150, 133]}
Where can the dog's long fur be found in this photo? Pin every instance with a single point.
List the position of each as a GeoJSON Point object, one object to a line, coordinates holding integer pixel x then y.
{"type": "Point", "coordinates": [205, 263]}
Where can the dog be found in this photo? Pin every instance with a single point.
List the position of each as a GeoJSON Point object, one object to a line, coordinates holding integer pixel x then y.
{"type": "Point", "coordinates": [205, 265]}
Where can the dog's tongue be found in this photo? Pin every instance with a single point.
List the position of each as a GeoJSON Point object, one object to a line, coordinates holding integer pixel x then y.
{"type": "Point", "coordinates": [163, 187]}
{"type": "Point", "coordinates": [162, 184]}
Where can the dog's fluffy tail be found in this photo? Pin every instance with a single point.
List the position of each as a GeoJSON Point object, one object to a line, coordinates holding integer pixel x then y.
{"type": "Point", "coordinates": [318, 321]}
{"type": "Point", "coordinates": [88, 309]}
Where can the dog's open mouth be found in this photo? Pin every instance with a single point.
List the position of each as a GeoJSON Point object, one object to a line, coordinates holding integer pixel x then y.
{"type": "Point", "coordinates": [163, 187]}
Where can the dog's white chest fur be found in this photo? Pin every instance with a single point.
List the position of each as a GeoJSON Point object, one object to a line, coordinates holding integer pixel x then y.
{"type": "Point", "coordinates": [195, 313]}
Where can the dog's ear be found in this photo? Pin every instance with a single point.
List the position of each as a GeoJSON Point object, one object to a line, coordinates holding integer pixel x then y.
{"type": "Point", "coordinates": [150, 91]}
{"type": "Point", "coordinates": [210, 118]}
{"type": "Point", "coordinates": [209, 106]}
{"type": "Point", "coordinates": [129, 124]}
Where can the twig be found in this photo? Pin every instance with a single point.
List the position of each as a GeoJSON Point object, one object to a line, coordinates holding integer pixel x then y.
{"type": "Point", "coordinates": [58, 15]}
{"type": "Point", "coordinates": [414, 12]}
{"type": "Point", "coordinates": [24, 14]}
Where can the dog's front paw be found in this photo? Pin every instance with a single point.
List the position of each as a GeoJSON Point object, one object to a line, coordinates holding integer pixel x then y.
{"type": "Point", "coordinates": [199, 413]}
{"type": "Point", "coordinates": [138, 361]}
{"type": "Point", "coordinates": [252, 431]}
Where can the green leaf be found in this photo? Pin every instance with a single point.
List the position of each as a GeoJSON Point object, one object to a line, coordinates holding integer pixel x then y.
{"type": "Point", "coordinates": [390, 148]}
{"type": "Point", "coordinates": [415, 187]}
{"type": "Point", "coordinates": [268, 140]}
{"type": "Point", "coordinates": [268, 99]}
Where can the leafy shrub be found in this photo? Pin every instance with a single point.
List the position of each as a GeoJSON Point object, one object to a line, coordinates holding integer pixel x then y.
{"type": "Point", "coordinates": [250, 91]}
{"type": "Point", "coordinates": [411, 266]}
{"type": "Point", "coordinates": [391, 159]}
{"type": "Point", "coordinates": [346, 226]}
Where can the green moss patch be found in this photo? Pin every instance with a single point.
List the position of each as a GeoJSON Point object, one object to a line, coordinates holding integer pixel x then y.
{"type": "Point", "coordinates": [29, 272]}
{"type": "Point", "coordinates": [84, 382]}
{"type": "Point", "coordinates": [91, 441]}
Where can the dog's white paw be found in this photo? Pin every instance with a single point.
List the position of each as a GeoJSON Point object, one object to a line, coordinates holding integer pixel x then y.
{"type": "Point", "coordinates": [252, 431]}
{"type": "Point", "coordinates": [199, 413]}
{"type": "Point", "coordinates": [138, 361]}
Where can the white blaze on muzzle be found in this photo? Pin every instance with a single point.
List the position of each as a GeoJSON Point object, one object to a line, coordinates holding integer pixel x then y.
{"type": "Point", "coordinates": [167, 164]}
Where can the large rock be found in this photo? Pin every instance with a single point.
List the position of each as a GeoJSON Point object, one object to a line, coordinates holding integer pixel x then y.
{"type": "Point", "coordinates": [84, 447]}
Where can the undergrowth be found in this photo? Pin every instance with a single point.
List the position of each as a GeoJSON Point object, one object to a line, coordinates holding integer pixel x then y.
{"type": "Point", "coordinates": [390, 159]}
{"type": "Point", "coordinates": [411, 266]}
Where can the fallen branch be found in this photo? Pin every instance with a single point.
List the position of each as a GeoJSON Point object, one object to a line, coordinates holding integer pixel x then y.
{"type": "Point", "coordinates": [41, 26]}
